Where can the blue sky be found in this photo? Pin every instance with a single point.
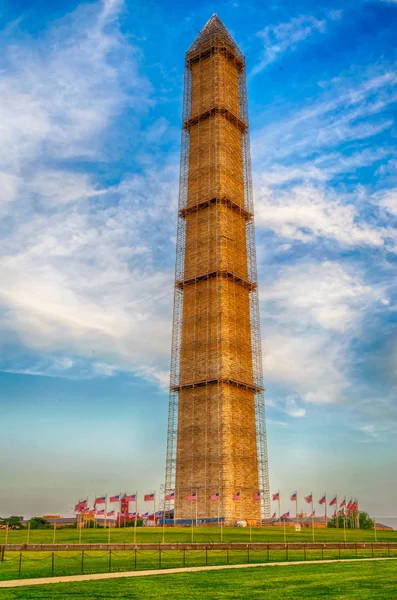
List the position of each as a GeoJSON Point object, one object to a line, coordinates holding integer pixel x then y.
{"type": "Point", "coordinates": [90, 99]}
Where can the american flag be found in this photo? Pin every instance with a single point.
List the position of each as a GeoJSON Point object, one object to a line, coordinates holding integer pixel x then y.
{"type": "Point", "coordinates": [170, 496]}
{"type": "Point", "coordinates": [215, 496]}
{"type": "Point", "coordinates": [276, 496]}
{"type": "Point", "coordinates": [323, 500]}
{"type": "Point", "coordinates": [100, 512]}
{"type": "Point", "coordinates": [130, 498]}
{"type": "Point", "coordinates": [145, 515]}
{"type": "Point", "coordinates": [192, 497]}
{"type": "Point", "coordinates": [114, 498]}
{"type": "Point", "coordinates": [274, 516]}
{"type": "Point", "coordinates": [236, 496]}
{"type": "Point", "coordinates": [285, 515]}
{"type": "Point", "coordinates": [110, 513]}
{"type": "Point", "coordinates": [333, 501]}
{"type": "Point", "coordinates": [294, 496]}
{"type": "Point", "coordinates": [343, 503]}
{"type": "Point", "coordinates": [132, 515]}
{"type": "Point", "coordinates": [313, 514]}
{"type": "Point", "coordinates": [100, 500]}
{"type": "Point", "coordinates": [148, 497]}
{"type": "Point", "coordinates": [256, 496]}
{"type": "Point", "coordinates": [309, 499]}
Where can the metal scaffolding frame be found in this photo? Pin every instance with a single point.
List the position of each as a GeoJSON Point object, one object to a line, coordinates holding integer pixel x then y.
{"type": "Point", "coordinates": [215, 41]}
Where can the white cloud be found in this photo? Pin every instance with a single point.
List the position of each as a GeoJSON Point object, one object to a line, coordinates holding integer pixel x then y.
{"type": "Point", "coordinates": [369, 430]}
{"type": "Point", "coordinates": [340, 114]}
{"type": "Point", "coordinates": [324, 293]}
{"type": "Point", "coordinates": [311, 364]}
{"type": "Point", "coordinates": [81, 276]}
{"type": "Point", "coordinates": [388, 200]}
{"type": "Point", "coordinates": [292, 409]}
{"type": "Point", "coordinates": [9, 188]}
{"type": "Point", "coordinates": [307, 212]}
{"type": "Point", "coordinates": [312, 311]}
{"type": "Point", "coordinates": [277, 39]}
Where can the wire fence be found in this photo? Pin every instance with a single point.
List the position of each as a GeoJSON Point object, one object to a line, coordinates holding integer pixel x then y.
{"type": "Point", "coordinates": [28, 564]}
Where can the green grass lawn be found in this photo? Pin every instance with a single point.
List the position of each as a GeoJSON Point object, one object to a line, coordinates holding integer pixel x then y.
{"type": "Point", "coordinates": [201, 534]}
{"type": "Point", "coordinates": [349, 581]}
{"type": "Point", "coordinates": [44, 564]}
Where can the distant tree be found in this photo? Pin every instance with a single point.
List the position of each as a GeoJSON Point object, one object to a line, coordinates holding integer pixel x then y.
{"type": "Point", "coordinates": [13, 522]}
{"type": "Point", "coordinates": [364, 520]}
{"type": "Point", "coordinates": [36, 522]}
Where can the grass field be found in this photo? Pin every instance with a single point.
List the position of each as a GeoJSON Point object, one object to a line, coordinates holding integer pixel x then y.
{"type": "Point", "coordinates": [201, 534]}
{"type": "Point", "coordinates": [349, 581]}
{"type": "Point", "coordinates": [45, 564]}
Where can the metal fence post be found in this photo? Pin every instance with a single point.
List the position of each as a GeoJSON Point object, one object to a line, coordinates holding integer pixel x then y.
{"type": "Point", "coordinates": [304, 552]}
{"type": "Point", "coordinates": [227, 554]}
{"type": "Point", "coordinates": [110, 561]}
{"type": "Point", "coordinates": [184, 556]}
{"type": "Point", "coordinates": [248, 554]}
{"type": "Point", "coordinates": [159, 558]}
{"type": "Point", "coordinates": [20, 564]}
{"type": "Point", "coordinates": [52, 564]}
{"type": "Point", "coordinates": [286, 551]}
{"type": "Point", "coordinates": [206, 556]}
{"type": "Point", "coordinates": [2, 553]}
{"type": "Point", "coordinates": [82, 561]}
{"type": "Point", "coordinates": [268, 552]}
{"type": "Point", "coordinates": [388, 549]}
{"type": "Point", "coordinates": [135, 560]}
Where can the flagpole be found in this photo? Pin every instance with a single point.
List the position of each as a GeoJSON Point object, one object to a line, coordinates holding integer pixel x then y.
{"type": "Point", "coordinates": [375, 530]}
{"type": "Point", "coordinates": [27, 539]}
{"type": "Point", "coordinates": [164, 517]}
{"type": "Point", "coordinates": [53, 537]}
{"type": "Point", "coordinates": [312, 517]}
{"type": "Point", "coordinates": [296, 505]}
{"type": "Point", "coordinates": [106, 509]}
{"type": "Point", "coordinates": [191, 516]}
{"type": "Point", "coordinates": [279, 509]}
{"type": "Point", "coordinates": [241, 506]}
{"type": "Point", "coordinates": [154, 508]}
{"type": "Point", "coordinates": [325, 516]}
{"type": "Point", "coordinates": [120, 510]}
{"type": "Point", "coordinates": [221, 519]}
{"type": "Point", "coordinates": [337, 512]}
{"type": "Point", "coordinates": [7, 533]}
{"type": "Point", "coordinates": [344, 521]}
{"type": "Point", "coordinates": [136, 515]}
{"type": "Point", "coordinates": [196, 507]}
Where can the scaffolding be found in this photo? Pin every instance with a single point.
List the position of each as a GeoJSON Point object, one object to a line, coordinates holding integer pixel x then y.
{"type": "Point", "coordinates": [216, 422]}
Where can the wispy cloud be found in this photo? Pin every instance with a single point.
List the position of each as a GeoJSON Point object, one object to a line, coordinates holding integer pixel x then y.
{"type": "Point", "coordinates": [283, 37]}
{"type": "Point", "coordinates": [312, 313]}
{"type": "Point", "coordinates": [292, 408]}
{"type": "Point", "coordinates": [78, 278]}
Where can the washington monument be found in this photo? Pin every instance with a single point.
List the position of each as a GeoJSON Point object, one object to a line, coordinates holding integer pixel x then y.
{"type": "Point", "coordinates": [216, 450]}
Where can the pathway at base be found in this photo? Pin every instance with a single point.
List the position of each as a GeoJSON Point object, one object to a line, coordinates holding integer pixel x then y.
{"type": "Point", "coordinates": [93, 576]}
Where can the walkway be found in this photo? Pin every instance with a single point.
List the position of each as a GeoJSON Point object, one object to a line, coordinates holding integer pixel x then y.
{"type": "Point", "coordinates": [96, 576]}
